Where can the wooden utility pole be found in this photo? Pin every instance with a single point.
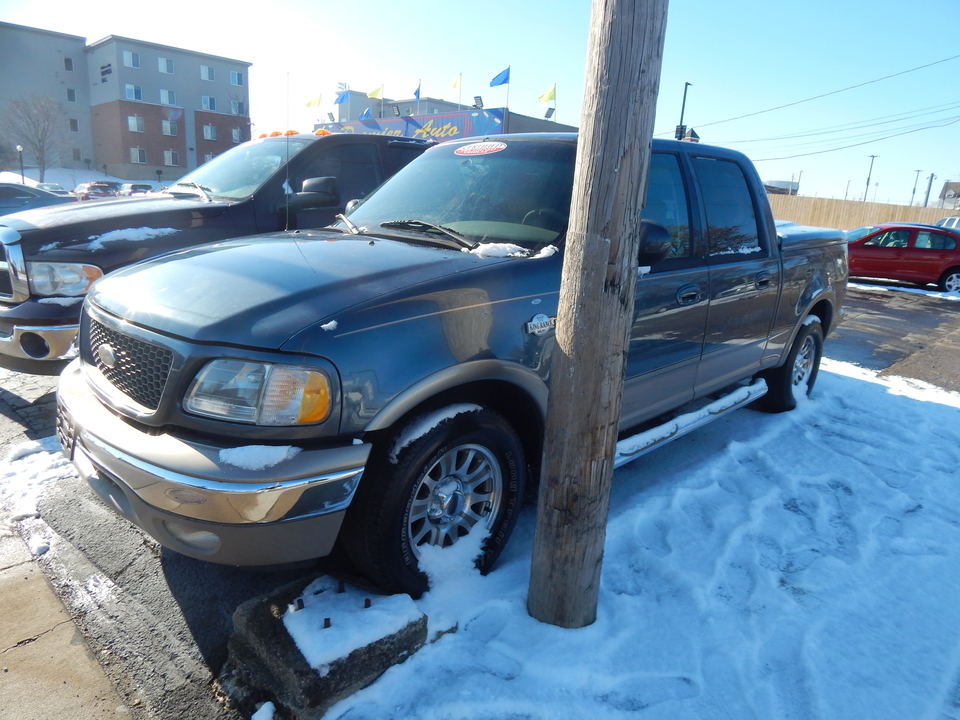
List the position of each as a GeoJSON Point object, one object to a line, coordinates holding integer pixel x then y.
{"type": "Point", "coordinates": [596, 307]}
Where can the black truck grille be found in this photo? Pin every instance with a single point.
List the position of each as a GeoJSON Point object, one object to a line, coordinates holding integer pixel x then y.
{"type": "Point", "coordinates": [6, 282]}
{"type": "Point", "coordinates": [140, 370]}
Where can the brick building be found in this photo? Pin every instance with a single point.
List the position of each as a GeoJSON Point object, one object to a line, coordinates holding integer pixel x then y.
{"type": "Point", "coordinates": [133, 106]}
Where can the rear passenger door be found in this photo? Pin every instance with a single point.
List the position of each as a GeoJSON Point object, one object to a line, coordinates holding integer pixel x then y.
{"type": "Point", "coordinates": [744, 275]}
{"type": "Point", "coordinates": [670, 306]}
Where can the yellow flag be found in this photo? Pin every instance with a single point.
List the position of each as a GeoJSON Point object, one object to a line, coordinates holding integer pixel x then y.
{"type": "Point", "coordinates": [456, 82]}
{"type": "Point", "coordinates": [549, 95]}
{"type": "Point", "coordinates": [378, 93]}
{"type": "Point", "coordinates": [315, 102]}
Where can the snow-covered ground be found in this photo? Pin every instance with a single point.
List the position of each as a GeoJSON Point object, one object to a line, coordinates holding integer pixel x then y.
{"type": "Point", "coordinates": [804, 565]}
{"type": "Point", "coordinates": [66, 178]}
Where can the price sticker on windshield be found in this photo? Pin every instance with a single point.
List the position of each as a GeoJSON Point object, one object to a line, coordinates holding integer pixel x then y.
{"type": "Point", "coordinates": [481, 148]}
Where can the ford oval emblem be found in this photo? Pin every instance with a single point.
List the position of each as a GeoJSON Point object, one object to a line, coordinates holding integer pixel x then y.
{"type": "Point", "coordinates": [107, 356]}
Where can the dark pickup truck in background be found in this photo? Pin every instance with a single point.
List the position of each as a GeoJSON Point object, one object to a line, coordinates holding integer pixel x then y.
{"type": "Point", "coordinates": [383, 383]}
{"type": "Point", "coordinates": [52, 255]}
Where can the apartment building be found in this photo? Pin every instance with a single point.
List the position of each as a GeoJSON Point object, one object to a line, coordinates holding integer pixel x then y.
{"type": "Point", "coordinates": [133, 109]}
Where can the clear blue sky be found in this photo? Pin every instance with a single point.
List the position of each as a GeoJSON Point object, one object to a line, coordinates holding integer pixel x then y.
{"type": "Point", "coordinates": [741, 56]}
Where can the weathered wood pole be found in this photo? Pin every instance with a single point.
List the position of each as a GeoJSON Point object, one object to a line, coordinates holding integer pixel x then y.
{"type": "Point", "coordinates": [596, 308]}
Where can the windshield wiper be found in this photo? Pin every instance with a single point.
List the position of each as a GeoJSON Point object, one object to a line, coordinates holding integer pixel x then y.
{"type": "Point", "coordinates": [425, 227]}
{"type": "Point", "coordinates": [354, 230]}
{"type": "Point", "coordinates": [204, 191]}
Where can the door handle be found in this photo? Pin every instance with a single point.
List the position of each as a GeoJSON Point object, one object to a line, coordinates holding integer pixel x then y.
{"type": "Point", "coordinates": [688, 295]}
{"type": "Point", "coordinates": [762, 280]}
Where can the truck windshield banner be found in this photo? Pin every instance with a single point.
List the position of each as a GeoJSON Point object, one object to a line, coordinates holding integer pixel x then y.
{"type": "Point", "coordinates": [449, 126]}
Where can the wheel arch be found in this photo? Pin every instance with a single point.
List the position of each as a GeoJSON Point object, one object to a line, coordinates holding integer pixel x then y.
{"type": "Point", "coordinates": [513, 391]}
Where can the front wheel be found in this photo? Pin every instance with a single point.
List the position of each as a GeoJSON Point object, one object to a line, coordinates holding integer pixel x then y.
{"type": "Point", "coordinates": [795, 378]}
{"type": "Point", "coordinates": [454, 471]}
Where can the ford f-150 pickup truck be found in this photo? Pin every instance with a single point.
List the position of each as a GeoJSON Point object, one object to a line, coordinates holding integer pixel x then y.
{"type": "Point", "coordinates": [383, 382]}
{"type": "Point", "coordinates": [52, 255]}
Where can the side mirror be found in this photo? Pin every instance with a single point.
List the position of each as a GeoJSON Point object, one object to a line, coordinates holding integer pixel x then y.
{"type": "Point", "coordinates": [316, 193]}
{"type": "Point", "coordinates": [655, 243]}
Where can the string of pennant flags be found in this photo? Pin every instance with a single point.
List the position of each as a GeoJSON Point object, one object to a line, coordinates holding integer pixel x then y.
{"type": "Point", "coordinates": [502, 78]}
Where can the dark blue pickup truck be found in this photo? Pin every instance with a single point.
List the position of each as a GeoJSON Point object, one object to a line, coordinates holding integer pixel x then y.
{"type": "Point", "coordinates": [51, 256]}
{"type": "Point", "coordinates": [383, 383]}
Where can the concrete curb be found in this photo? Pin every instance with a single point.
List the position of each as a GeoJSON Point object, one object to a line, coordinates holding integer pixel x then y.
{"type": "Point", "coordinates": [266, 664]}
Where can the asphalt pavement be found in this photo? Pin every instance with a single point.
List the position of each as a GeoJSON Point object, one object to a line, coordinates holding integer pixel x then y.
{"type": "Point", "coordinates": [109, 624]}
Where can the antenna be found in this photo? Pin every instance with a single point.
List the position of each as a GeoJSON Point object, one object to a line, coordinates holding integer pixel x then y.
{"type": "Point", "coordinates": [286, 182]}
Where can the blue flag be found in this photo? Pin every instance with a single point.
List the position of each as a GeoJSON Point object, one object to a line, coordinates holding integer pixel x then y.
{"type": "Point", "coordinates": [416, 94]}
{"type": "Point", "coordinates": [365, 115]}
{"type": "Point", "coordinates": [342, 98]}
{"type": "Point", "coordinates": [501, 79]}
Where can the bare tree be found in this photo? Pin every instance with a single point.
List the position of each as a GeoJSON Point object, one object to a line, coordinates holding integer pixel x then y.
{"type": "Point", "coordinates": [37, 123]}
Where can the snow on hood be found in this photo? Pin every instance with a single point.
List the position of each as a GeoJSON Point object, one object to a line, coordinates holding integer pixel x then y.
{"type": "Point", "coordinates": [128, 234]}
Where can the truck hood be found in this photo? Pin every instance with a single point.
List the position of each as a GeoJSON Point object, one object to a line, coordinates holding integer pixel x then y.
{"type": "Point", "coordinates": [79, 223]}
{"type": "Point", "coordinates": [260, 291]}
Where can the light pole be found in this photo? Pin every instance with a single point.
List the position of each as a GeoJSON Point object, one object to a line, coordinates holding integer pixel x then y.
{"type": "Point", "coordinates": [930, 178]}
{"type": "Point", "coordinates": [798, 182]}
{"type": "Point", "coordinates": [914, 193]}
{"type": "Point", "coordinates": [680, 128]}
{"type": "Point", "coordinates": [847, 191]}
{"type": "Point", "coordinates": [20, 153]}
{"type": "Point", "coordinates": [869, 173]}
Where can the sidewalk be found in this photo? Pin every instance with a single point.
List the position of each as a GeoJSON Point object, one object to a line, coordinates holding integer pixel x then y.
{"type": "Point", "coordinates": [46, 669]}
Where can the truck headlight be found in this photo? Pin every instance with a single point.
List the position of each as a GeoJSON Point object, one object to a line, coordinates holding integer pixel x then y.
{"type": "Point", "coordinates": [259, 393]}
{"type": "Point", "coordinates": [65, 279]}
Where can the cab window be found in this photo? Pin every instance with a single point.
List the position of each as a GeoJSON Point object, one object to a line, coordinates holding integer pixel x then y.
{"type": "Point", "coordinates": [666, 202]}
{"type": "Point", "coordinates": [732, 230]}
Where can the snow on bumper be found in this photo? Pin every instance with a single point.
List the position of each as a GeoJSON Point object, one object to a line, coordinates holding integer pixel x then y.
{"type": "Point", "coordinates": [191, 501]}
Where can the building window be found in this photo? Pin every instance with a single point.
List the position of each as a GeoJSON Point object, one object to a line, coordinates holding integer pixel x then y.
{"type": "Point", "coordinates": [134, 92]}
{"type": "Point", "coordinates": [171, 157]}
{"type": "Point", "coordinates": [169, 128]}
{"type": "Point", "coordinates": [76, 154]}
{"type": "Point", "coordinates": [138, 155]}
{"type": "Point", "coordinates": [209, 103]}
{"type": "Point", "coordinates": [71, 95]}
{"type": "Point", "coordinates": [168, 97]}
{"type": "Point", "coordinates": [236, 107]}
{"type": "Point", "coordinates": [165, 65]}
{"type": "Point", "coordinates": [236, 78]}
{"type": "Point", "coordinates": [237, 135]}
{"type": "Point", "coordinates": [207, 73]}
{"type": "Point", "coordinates": [74, 125]}
{"type": "Point", "coordinates": [134, 123]}
{"type": "Point", "coordinates": [208, 157]}
{"type": "Point", "coordinates": [68, 64]}
{"type": "Point", "coordinates": [131, 59]}
{"type": "Point", "coordinates": [209, 132]}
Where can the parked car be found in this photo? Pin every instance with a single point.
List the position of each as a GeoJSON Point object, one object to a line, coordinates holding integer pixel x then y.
{"type": "Point", "coordinates": [952, 222]}
{"type": "Point", "coordinates": [97, 190]}
{"type": "Point", "coordinates": [55, 189]}
{"type": "Point", "coordinates": [49, 258]}
{"type": "Point", "coordinates": [384, 381]}
{"type": "Point", "coordinates": [15, 197]}
{"type": "Point", "coordinates": [128, 189]}
{"type": "Point", "coordinates": [908, 252]}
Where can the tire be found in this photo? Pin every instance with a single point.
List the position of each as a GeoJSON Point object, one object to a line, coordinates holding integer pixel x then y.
{"type": "Point", "coordinates": [467, 470]}
{"type": "Point", "coordinates": [796, 377]}
{"type": "Point", "coordinates": [950, 280]}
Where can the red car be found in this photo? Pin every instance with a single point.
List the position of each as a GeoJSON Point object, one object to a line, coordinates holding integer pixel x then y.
{"type": "Point", "coordinates": [904, 251]}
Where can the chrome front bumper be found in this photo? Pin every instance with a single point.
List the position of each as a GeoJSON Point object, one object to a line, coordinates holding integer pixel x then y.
{"type": "Point", "coordinates": [39, 342]}
{"type": "Point", "coordinates": [188, 499]}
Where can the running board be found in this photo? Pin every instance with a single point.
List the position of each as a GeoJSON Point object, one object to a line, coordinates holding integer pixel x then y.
{"type": "Point", "coordinates": [631, 448]}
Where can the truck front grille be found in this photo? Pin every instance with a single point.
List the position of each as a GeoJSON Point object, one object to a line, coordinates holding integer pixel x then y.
{"type": "Point", "coordinates": [6, 282]}
{"type": "Point", "coordinates": [136, 368]}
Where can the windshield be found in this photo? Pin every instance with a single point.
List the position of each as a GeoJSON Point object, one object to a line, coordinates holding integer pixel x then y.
{"type": "Point", "coordinates": [239, 172]}
{"type": "Point", "coordinates": [854, 235]}
{"type": "Point", "coordinates": [499, 191]}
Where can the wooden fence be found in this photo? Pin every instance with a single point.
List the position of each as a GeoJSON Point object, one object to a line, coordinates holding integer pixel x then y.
{"type": "Point", "coordinates": [849, 214]}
